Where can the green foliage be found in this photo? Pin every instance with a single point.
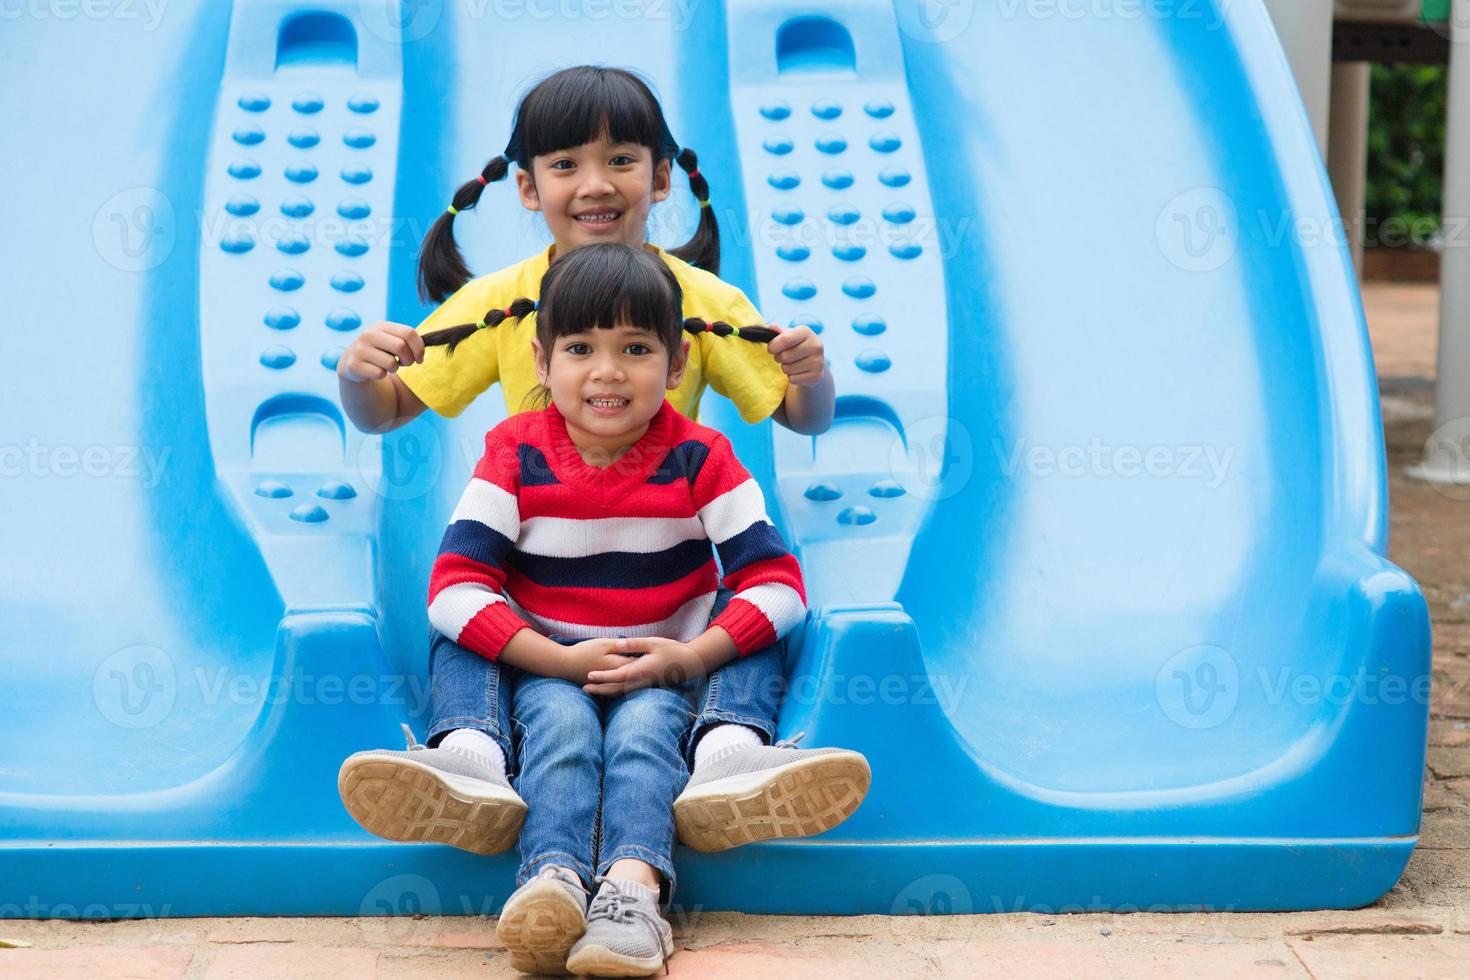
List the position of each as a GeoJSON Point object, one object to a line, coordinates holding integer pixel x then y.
{"type": "Point", "coordinates": [1406, 118]}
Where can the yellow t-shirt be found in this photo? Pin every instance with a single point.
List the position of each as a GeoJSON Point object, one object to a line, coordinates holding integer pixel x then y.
{"type": "Point", "coordinates": [744, 372]}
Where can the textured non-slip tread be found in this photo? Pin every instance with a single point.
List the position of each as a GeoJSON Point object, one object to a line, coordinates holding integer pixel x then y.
{"type": "Point", "coordinates": [799, 800]}
{"type": "Point", "coordinates": [402, 801]}
{"type": "Point", "coordinates": [539, 927]}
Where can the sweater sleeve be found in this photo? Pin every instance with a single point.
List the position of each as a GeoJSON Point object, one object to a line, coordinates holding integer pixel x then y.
{"type": "Point", "coordinates": [466, 585]}
{"type": "Point", "coordinates": [770, 596]}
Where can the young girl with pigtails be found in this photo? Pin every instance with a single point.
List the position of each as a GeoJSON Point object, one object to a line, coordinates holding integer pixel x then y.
{"type": "Point", "coordinates": [593, 155]}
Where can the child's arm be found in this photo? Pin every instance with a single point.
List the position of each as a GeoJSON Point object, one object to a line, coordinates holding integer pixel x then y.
{"type": "Point", "coordinates": [770, 595]}
{"type": "Point", "coordinates": [811, 395]}
{"type": "Point", "coordinates": [373, 396]}
{"type": "Point", "coordinates": [467, 601]}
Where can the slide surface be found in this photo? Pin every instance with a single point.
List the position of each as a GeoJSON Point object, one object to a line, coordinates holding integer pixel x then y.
{"type": "Point", "coordinates": [1095, 546]}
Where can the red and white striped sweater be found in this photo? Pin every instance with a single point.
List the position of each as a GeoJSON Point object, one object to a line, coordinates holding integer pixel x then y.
{"type": "Point", "coordinates": [542, 539]}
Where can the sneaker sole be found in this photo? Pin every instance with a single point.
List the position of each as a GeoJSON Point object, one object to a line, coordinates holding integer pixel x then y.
{"type": "Point", "coordinates": [539, 926]}
{"type": "Point", "coordinates": [402, 800]}
{"type": "Point", "coordinates": [800, 799]}
{"type": "Point", "coordinates": [599, 961]}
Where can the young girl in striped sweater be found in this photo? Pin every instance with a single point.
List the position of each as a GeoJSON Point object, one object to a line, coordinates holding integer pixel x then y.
{"type": "Point", "coordinates": [582, 561]}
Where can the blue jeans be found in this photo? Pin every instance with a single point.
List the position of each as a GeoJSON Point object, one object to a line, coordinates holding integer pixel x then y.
{"type": "Point", "coordinates": [599, 774]}
{"type": "Point", "coordinates": [469, 691]}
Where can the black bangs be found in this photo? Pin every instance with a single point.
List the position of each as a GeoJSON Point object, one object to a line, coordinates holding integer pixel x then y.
{"type": "Point", "coordinates": [576, 105]}
{"type": "Point", "coordinates": [604, 284]}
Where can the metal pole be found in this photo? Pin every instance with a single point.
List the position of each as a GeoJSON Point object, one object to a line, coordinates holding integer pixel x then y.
{"type": "Point", "coordinates": [1305, 30]}
{"type": "Point", "coordinates": [1347, 149]}
{"type": "Point", "coordinates": [1447, 454]}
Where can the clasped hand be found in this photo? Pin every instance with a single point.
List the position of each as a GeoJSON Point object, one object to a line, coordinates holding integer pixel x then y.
{"type": "Point", "coordinates": [615, 666]}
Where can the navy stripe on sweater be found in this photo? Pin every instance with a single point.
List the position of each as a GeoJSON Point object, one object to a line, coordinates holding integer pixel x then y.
{"type": "Point", "coordinates": [535, 471]}
{"type": "Point", "coordinates": [477, 542]}
{"type": "Point", "coordinates": [758, 542]}
{"type": "Point", "coordinates": [684, 461]}
{"type": "Point", "coordinates": [615, 569]}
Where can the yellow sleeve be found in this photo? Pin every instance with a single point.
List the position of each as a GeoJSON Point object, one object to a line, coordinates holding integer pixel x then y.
{"type": "Point", "coordinates": [446, 382]}
{"type": "Point", "coordinates": [743, 372]}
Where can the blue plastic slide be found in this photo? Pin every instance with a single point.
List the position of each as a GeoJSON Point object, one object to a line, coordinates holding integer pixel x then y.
{"type": "Point", "coordinates": [1095, 546]}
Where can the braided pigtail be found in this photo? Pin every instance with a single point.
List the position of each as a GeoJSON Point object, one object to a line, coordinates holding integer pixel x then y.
{"type": "Point", "coordinates": [451, 336]}
{"type": "Point", "coordinates": [703, 250]}
{"type": "Point", "coordinates": [441, 266]}
{"type": "Point", "coordinates": [756, 335]}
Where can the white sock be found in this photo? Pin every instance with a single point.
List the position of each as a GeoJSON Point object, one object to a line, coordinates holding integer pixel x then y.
{"type": "Point", "coordinates": [472, 741]}
{"type": "Point", "coordinates": [721, 740]}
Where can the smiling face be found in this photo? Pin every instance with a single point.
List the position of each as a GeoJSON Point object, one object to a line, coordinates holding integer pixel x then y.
{"type": "Point", "coordinates": [596, 192]}
{"type": "Point", "coordinates": [608, 383]}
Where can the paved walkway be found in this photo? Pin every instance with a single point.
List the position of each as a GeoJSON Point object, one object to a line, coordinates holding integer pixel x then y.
{"type": "Point", "coordinates": [1421, 929]}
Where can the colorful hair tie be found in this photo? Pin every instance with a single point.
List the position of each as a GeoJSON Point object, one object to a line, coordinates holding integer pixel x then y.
{"type": "Point", "coordinates": [734, 331]}
{"type": "Point", "coordinates": [709, 327]}
{"type": "Point", "coordinates": [453, 209]}
{"type": "Point", "coordinates": [694, 173]}
{"type": "Point", "coordinates": [481, 324]}
{"type": "Point", "coordinates": [482, 180]}
{"type": "Point", "coordinates": [704, 203]}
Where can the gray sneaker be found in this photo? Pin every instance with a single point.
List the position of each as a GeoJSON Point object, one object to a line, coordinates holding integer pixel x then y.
{"type": "Point", "coordinates": [626, 936]}
{"type": "Point", "coordinates": [442, 796]}
{"type": "Point", "coordinates": [763, 791]}
{"type": "Point", "coordinates": [542, 919]}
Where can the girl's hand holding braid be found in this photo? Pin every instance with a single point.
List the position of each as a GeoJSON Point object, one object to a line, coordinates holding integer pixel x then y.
{"type": "Point", "coordinates": [800, 353]}
{"type": "Point", "coordinates": [380, 350]}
